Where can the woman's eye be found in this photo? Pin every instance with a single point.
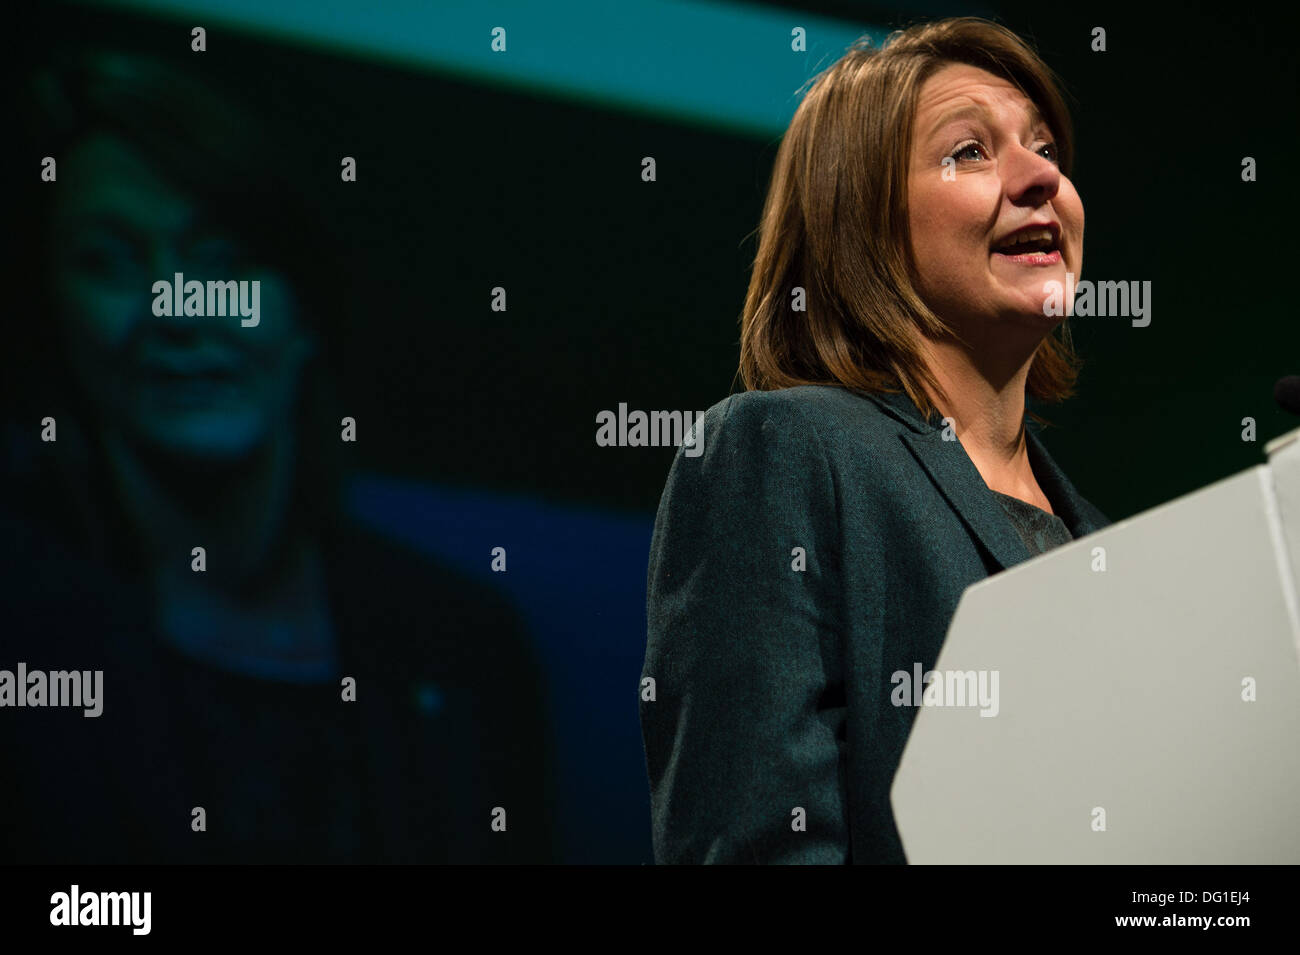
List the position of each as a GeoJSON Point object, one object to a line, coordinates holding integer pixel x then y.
{"type": "Point", "coordinates": [970, 150]}
{"type": "Point", "coordinates": [1052, 153]}
{"type": "Point", "coordinates": [107, 257]}
{"type": "Point", "coordinates": [215, 255]}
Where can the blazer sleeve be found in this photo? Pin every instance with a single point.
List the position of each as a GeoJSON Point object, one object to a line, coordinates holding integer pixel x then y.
{"type": "Point", "coordinates": [745, 734]}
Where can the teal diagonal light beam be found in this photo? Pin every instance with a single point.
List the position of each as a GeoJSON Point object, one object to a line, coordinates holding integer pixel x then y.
{"type": "Point", "coordinates": [727, 65]}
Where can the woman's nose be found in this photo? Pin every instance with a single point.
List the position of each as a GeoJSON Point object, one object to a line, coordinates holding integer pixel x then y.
{"type": "Point", "coordinates": [1030, 178]}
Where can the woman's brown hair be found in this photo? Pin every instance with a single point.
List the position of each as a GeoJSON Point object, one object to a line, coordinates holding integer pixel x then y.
{"type": "Point", "coordinates": [835, 221]}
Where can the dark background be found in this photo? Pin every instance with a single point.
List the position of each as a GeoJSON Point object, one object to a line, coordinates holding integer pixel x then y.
{"type": "Point", "coordinates": [620, 290]}
{"type": "Point", "coordinates": [623, 291]}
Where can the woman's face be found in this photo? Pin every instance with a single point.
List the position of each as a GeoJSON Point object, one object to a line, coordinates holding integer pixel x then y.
{"type": "Point", "coordinates": [202, 387]}
{"type": "Point", "coordinates": [1001, 176]}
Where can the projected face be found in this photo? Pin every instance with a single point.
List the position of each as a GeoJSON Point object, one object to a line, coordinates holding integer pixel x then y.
{"type": "Point", "coordinates": [976, 265]}
{"type": "Point", "coordinates": [201, 387]}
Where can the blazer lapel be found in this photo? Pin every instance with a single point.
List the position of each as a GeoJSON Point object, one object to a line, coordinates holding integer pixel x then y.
{"type": "Point", "coordinates": [1066, 500]}
{"type": "Point", "coordinates": [960, 483]}
{"type": "Point", "coordinates": [957, 478]}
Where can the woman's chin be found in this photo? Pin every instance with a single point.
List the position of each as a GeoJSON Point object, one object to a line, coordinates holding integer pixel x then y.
{"type": "Point", "coordinates": [211, 438]}
{"type": "Point", "coordinates": [1032, 303]}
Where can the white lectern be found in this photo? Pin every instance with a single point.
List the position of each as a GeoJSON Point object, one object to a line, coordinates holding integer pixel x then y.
{"type": "Point", "coordinates": [1148, 694]}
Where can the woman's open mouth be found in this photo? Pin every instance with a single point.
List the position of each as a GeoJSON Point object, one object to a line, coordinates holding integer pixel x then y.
{"type": "Point", "coordinates": [1032, 245]}
{"type": "Point", "coordinates": [1032, 258]}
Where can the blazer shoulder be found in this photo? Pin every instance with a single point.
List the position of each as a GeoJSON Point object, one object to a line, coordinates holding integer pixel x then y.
{"type": "Point", "coordinates": [826, 409]}
{"type": "Point", "coordinates": [837, 422]}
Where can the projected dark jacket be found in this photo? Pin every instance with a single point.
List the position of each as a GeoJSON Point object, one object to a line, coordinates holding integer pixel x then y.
{"type": "Point", "coordinates": [447, 725]}
{"type": "Point", "coordinates": [772, 684]}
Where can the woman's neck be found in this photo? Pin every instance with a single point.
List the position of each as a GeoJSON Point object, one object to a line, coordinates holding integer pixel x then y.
{"type": "Point", "coordinates": [235, 511]}
{"type": "Point", "coordinates": [984, 396]}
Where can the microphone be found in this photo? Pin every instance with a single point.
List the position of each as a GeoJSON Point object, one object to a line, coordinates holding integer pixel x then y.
{"type": "Point", "coordinates": [1287, 393]}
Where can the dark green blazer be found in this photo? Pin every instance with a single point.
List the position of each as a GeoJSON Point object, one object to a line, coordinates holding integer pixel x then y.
{"type": "Point", "coordinates": [771, 684]}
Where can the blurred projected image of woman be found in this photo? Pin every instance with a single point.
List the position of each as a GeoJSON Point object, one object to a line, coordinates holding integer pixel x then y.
{"type": "Point", "coordinates": [880, 461]}
{"type": "Point", "coordinates": [300, 689]}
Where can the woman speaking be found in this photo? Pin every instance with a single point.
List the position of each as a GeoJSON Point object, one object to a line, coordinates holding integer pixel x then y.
{"type": "Point", "coordinates": [879, 462]}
